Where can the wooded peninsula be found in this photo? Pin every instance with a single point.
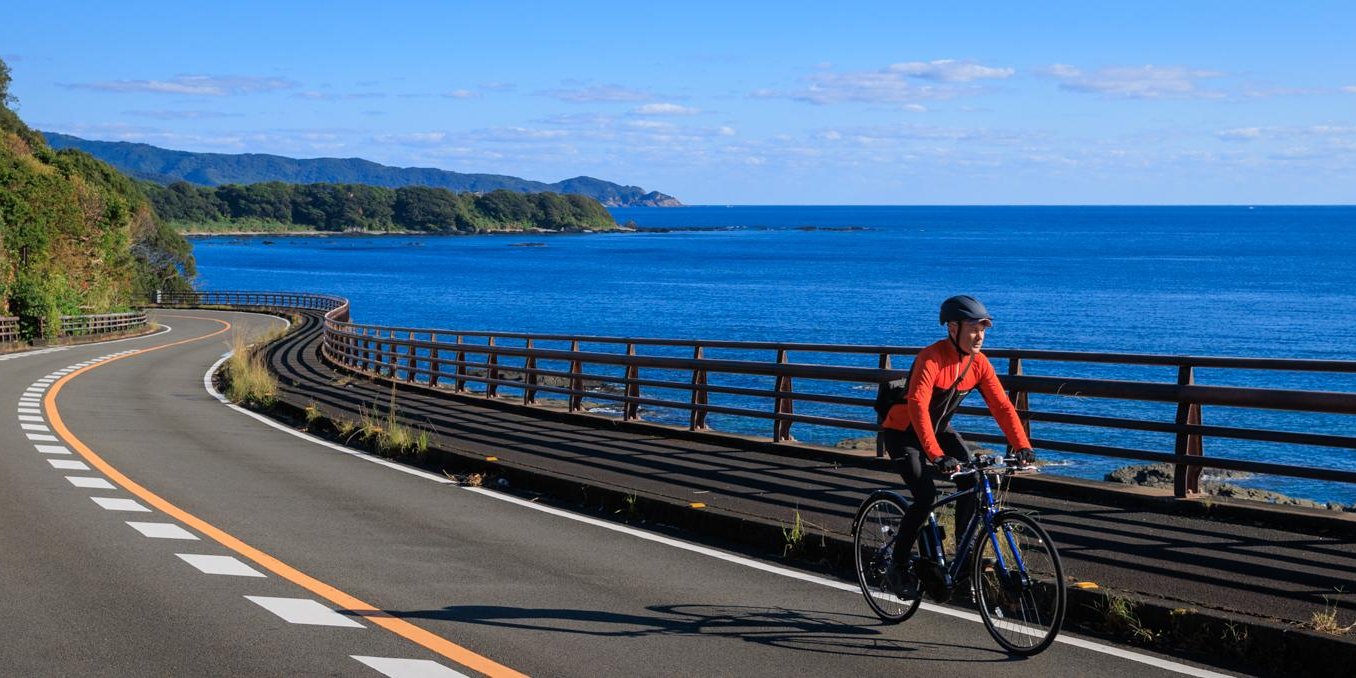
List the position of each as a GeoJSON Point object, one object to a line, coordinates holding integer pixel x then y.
{"type": "Point", "coordinates": [280, 207]}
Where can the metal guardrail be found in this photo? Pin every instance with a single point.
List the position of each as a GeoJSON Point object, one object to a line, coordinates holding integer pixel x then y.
{"type": "Point", "coordinates": [758, 380]}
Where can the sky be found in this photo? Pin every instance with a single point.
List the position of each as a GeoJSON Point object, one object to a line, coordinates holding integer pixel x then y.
{"type": "Point", "coordinates": [884, 103]}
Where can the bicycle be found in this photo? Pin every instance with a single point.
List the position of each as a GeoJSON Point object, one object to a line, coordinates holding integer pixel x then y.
{"type": "Point", "coordinates": [1015, 574]}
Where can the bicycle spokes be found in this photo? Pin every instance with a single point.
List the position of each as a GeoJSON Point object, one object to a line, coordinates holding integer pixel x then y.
{"type": "Point", "coordinates": [1019, 584]}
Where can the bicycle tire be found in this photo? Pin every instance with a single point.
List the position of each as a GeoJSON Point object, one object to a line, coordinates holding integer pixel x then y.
{"type": "Point", "coordinates": [1023, 610]}
{"type": "Point", "coordinates": [874, 530]}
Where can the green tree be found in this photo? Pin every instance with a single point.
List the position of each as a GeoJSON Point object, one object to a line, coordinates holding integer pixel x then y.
{"type": "Point", "coordinates": [5, 99]}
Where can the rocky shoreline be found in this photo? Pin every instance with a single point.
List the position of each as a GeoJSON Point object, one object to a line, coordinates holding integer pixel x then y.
{"type": "Point", "coordinates": [1214, 482]}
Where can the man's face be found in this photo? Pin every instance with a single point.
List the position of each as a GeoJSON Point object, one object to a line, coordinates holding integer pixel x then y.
{"type": "Point", "coordinates": [970, 334]}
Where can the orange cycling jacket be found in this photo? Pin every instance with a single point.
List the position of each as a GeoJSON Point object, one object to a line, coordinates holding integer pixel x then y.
{"type": "Point", "coordinates": [934, 371]}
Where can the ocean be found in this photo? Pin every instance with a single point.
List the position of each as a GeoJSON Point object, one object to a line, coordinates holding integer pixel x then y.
{"type": "Point", "coordinates": [1258, 281]}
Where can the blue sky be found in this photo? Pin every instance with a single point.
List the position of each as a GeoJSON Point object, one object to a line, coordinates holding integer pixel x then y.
{"type": "Point", "coordinates": [1186, 102]}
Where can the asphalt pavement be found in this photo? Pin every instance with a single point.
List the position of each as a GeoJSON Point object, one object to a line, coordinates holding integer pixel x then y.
{"type": "Point", "coordinates": [150, 529]}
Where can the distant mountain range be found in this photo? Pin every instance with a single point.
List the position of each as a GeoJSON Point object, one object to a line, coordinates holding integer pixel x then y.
{"type": "Point", "coordinates": [165, 166]}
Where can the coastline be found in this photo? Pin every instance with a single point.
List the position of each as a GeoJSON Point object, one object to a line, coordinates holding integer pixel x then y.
{"type": "Point", "coordinates": [352, 233]}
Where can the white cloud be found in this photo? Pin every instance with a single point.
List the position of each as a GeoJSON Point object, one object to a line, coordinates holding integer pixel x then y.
{"type": "Point", "coordinates": [1349, 89]}
{"type": "Point", "coordinates": [194, 85]}
{"type": "Point", "coordinates": [314, 95]}
{"type": "Point", "coordinates": [950, 70]}
{"type": "Point", "coordinates": [597, 93]}
{"type": "Point", "coordinates": [1137, 82]}
{"type": "Point", "coordinates": [664, 109]}
{"type": "Point", "coordinates": [895, 84]}
{"type": "Point", "coordinates": [182, 115]}
{"type": "Point", "coordinates": [1240, 134]}
{"type": "Point", "coordinates": [413, 138]}
{"type": "Point", "coordinates": [461, 94]}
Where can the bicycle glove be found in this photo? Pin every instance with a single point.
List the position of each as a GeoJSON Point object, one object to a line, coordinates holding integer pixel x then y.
{"type": "Point", "coordinates": [947, 465]}
{"type": "Point", "coordinates": [1024, 456]}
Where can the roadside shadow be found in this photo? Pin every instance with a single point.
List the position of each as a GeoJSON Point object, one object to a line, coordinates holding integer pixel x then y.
{"type": "Point", "coordinates": [800, 630]}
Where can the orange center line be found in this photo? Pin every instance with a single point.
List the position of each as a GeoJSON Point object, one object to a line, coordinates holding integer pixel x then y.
{"type": "Point", "coordinates": [400, 627]}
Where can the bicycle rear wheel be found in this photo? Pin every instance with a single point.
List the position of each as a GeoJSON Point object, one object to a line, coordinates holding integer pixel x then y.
{"type": "Point", "coordinates": [873, 537]}
{"type": "Point", "coordinates": [1019, 584]}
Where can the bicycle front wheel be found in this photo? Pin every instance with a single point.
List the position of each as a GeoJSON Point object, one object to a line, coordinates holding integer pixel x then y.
{"type": "Point", "coordinates": [874, 532]}
{"type": "Point", "coordinates": [1019, 584]}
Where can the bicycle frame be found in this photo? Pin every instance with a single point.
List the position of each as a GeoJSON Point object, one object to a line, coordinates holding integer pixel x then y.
{"type": "Point", "coordinates": [931, 539]}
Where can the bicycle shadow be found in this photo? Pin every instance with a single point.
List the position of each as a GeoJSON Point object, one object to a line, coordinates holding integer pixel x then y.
{"type": "Point", "coordinates": [798, 630]}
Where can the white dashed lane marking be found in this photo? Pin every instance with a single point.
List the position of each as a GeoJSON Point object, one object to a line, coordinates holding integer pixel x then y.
{"type": "Point", "coordinates": [163, 531]}
{"type": "Point", "coordinates": [291, 610]}
{"type": "Point", "coordinates": [408, 668]}
{"type": "Point", "coordinates": [91, 483]}
{"type": "Point", "coordinates": [303, 611]}
{"type": "Point", "coordinates": [112, 504]}
{"type": "Point", "coordinates": [226, 565]}
{"type": "Point", "coordinates": [68, 464]}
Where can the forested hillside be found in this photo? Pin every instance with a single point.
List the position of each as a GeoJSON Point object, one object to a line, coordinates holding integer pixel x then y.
{"type": "Point", "coordinates": [355, 207]}
{"type": "Point", "coordinates": [165, 166]}
{"type": "Point", "coordinates": [76, 236]}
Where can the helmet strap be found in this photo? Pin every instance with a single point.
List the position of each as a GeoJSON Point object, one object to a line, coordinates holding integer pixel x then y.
{"type": "Point", "coordinates": [955, 338]}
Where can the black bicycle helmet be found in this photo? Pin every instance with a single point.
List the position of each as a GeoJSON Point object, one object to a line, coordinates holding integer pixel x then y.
{"type": "Point", "coordinates": [964, 307]}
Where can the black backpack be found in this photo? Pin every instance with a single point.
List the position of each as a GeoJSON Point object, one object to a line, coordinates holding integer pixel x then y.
{"type": "Point", "coordinates": [896, 392]}
{"type": "Point", "coordinates": [889, 394]}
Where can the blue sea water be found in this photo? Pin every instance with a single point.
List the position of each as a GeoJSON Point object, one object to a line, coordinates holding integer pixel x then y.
{"type": "Point", "coordinates": [1230, 281]}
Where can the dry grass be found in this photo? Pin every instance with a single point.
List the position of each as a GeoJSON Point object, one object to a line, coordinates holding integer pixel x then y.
{"type": "Point", "coordinates": [1119, 617]}
{"type": "Point", "coordinates": [389, 436]}
{"type": "Point", "coordinates": [345, 427]}
{"type": "Point", "coordinates": [1325, 621]}
{"type": "Point", "coordinates": [247, 377]}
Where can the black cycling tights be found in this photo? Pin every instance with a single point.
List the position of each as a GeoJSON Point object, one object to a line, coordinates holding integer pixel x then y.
{"type": "Point", "coordinates": [904, 448]}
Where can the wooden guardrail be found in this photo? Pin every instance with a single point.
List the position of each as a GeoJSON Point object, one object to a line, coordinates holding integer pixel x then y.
{"type": "Point", "coordinates": [833, 386]}
{"type": "Point", "coordinates": [104, 323]}
{"type": "Point", "coordinates": [9, 330]}
{"type": "Point", "coordinates": [72, 326]}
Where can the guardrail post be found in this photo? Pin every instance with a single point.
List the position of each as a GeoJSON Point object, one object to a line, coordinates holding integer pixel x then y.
{"type": "Point", "coordinates": [1186, 479]}
{"type": "Point", "coordinates": [413, 364]}
{"type": "Point", "coordinates": [576, 382]}
{"type": "Point", "coordinates": [435, 366]}
{"type": "Point", "coordinates": [883, 364]}
{"type": "Point", "coordinates": [631, 408]}
{"type": "Point", "coordinates": [781, 428]}
{"type": "Point", "coordinates": [491, 387]}
{"type": "Point", "coordinates": [368, 365]}
{"type": "Point", "coordinates": [1019, 398]}
{"type": "Point", "coordinates": [389, 359]}
{"type": "Point", "coordinates": [460, 383]}
{"type": "Point", "coordinates": [697, 420]}
{"type": "Point", "coordinates": [529, 376]}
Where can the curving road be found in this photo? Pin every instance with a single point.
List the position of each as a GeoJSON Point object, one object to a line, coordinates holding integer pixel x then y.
{"type": "Point", "coordinates": [149, 529]}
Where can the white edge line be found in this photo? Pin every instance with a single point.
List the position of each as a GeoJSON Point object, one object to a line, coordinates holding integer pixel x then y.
{"type": "Point", "coordinates": [703, 550]}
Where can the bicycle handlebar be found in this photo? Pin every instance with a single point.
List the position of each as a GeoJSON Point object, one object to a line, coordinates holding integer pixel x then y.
{"type": "Point", "coordinates": [989, 463]}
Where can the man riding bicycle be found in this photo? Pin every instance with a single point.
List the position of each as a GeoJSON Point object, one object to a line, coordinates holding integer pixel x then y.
{"type": "Point", "coordinates": [919, 429]}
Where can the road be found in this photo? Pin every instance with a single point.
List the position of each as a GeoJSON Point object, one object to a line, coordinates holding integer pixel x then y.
{"type": "Point", "coordinates": [150, 529]}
